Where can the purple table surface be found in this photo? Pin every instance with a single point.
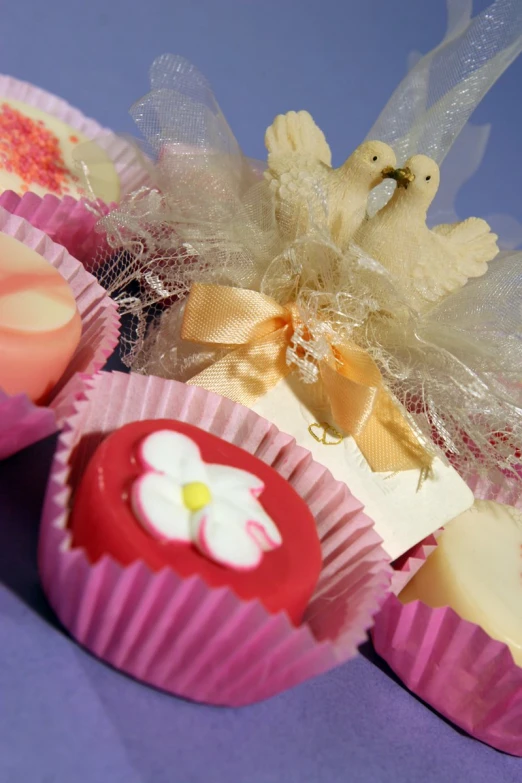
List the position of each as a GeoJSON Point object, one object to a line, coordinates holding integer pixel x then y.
{"type": "Point", "coordinates": [64, 716]}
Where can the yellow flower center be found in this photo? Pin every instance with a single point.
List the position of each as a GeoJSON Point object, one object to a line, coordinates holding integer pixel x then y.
{"type": "Point", "coordinates": [196, 495]}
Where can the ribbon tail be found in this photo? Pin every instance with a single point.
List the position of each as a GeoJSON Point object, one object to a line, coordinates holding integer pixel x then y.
{"type": "Point", "coordinates": [376, 423]}
{"type": "Point", "coordinates": [389, 443]}
{"type": "Point", "coordinates": [351, 403]}
{"type": "Point", "coordinates": [249, 372]}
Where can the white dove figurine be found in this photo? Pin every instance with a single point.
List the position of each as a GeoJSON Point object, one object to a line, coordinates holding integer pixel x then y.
{"type": "Point", "coordinates": [305, 184]}
{"type": "Point", "coordinates": [429, 263]}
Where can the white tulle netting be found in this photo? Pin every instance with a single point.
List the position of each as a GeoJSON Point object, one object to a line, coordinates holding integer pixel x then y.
{"type": "Point", "coordinates": [209, 217]}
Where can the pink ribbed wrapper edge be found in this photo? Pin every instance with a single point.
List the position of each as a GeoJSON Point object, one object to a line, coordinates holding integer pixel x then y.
{"type": "Point", "coordinates": [452, 664]}
{"type": "Point", "coordinates": [180, 635]}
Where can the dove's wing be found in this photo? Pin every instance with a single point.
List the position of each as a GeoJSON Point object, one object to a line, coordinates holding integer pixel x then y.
{"type": "Point", "coordinates": [473, 243]}
{"type": "Point", "coordinates": [295, 133]}
{"type": "Point", "coordinates": [299, 165]}
{"type": "Point", "coordinates": [462, 251]}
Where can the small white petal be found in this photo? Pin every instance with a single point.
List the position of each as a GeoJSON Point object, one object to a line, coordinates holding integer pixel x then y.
{"type": "Point", "coordinates": [224, 538]}
{"type": "Point", "coordinates": [264, 530]}
{"type": "Point", "coordinates": [259, 524]}
{"type": "Point", "coordinates": [173, 454]}
{"type": "Point", "coordinates": [225, 480]}
{"type": "Point", "coordinates": [157, 503]}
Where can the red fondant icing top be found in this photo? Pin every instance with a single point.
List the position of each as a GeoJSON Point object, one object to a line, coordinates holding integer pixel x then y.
{"type": "Point", "coordinates": [102, 521]}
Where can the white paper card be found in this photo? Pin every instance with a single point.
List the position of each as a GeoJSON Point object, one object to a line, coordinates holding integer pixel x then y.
{"type": "Point", "coordinates": [403, 513]}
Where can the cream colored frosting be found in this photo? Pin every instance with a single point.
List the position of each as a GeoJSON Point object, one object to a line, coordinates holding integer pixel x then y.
{"type": "Point", "coordinates": [477, 570]}
{"type": "Point", "coordinates": [103, 177]}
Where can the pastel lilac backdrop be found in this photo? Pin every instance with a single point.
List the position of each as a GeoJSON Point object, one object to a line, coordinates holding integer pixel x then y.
{"type": "Point", "coordinates": [63, 715]}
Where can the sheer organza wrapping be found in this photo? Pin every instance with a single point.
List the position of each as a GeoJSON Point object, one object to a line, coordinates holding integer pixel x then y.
{"type": "Point", "coordinates": [456, 368]}
{"type": "Point", "coordinates": [431, 106]}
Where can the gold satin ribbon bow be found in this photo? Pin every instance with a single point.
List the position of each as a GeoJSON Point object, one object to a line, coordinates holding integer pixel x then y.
{"type": "Point", "coordinates": [258, 332]}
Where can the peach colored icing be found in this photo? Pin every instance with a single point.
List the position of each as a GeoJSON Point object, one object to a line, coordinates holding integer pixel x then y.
{"type": "Point", "coordinates": [40, 325]}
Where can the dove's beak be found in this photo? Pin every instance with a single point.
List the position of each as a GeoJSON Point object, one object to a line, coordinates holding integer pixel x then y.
{"type": "Point", "coordinates": [403, 177]}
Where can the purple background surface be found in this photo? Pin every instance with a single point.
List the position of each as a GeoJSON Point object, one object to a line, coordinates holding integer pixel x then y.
{"type": "Point", "coordinates": [66, 717]}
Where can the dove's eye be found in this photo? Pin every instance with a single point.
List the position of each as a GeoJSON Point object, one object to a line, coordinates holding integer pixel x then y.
{"type": "Point", "coordinates": [374, 157]}
{"type": "Point", "coordinates": [428, 178]}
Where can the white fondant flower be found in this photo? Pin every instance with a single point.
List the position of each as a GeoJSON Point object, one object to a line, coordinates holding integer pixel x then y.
{"type": "Point", "coordinates": [180, 498]}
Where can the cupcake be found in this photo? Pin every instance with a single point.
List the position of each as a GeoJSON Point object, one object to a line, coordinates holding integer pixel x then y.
{"type": "Point", "coordinates": [55, 320]}
{"type": "Point", "coordinates": [174, 496]}
{"type": "Point", "coordinates": [190, 544]}
{"type": "Point", "coordinates": [44, 144]}
{"type": "Point", "coordinates": [454, 634]}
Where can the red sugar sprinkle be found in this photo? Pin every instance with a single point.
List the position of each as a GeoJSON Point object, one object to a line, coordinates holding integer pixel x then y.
{"type": "Point", "coordinates": [31, 150]}
{"type": "Point", "coordinates": [74, 139]}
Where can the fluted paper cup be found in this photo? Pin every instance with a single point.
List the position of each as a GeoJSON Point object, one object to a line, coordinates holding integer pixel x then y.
{"type": "Point", "coordinates": [452, 664]}
{"type": "Point", "coordinates": [178, 634]}
{"type": "Point", "coordinates": [21, 422]}
{"type": "Point", "coordinates": [407, 565]}
{"type": "Point", "coordinates": [66, 221]}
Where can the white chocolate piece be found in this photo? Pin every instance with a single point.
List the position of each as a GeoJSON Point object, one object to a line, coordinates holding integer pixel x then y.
{"type": "Point", "coordinates": [103, 178]}
{"type": "Point", "coordinates": [403, 512]}
{"type": "Point", "coordinates": [477, 570]}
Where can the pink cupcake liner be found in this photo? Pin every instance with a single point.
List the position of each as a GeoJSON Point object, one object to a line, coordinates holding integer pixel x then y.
{"type": "Point", "coordinates": [21, 422]}
{"type": "Point", "coordinates": [68, 221]}
{"type": "Point", "coordinates": [406, 566]}
{"type": "Point", "coordinates": [179, 634]}
{"type": "Point", "coordinates": [452, 664]}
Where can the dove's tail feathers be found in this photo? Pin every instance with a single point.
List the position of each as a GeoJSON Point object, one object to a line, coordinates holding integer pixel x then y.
{"type": "Point", "coordinates": [296, 132]}
{"type": "Point", "coordinates": [474, 242]}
